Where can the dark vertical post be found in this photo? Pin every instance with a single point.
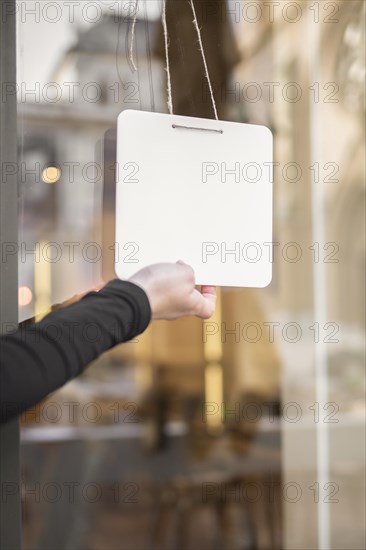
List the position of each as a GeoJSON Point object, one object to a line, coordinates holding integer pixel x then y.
{"type": "Point", "coordinates": [10, 513]}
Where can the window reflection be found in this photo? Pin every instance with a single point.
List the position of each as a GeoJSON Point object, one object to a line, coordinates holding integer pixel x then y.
{"type": "Point", "coordinates": [195, 436]}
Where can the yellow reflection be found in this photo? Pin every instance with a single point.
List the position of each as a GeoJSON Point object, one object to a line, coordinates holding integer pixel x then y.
{"type": "Point", "coordinates": [143, 356]}
{"type": "Point", "coordinates": [214, 389]}
{"type": "Point", "coordinates": [144, 377]}
{"type": "Point", "coordinates": [25, 296]}
{"type": "Point", "coordinates": [212, 345]}
{"type": "Point", "coordinates": [214, 396]}
{"type": "Point", "coordinates": [42, 285]}
{"type": "Point", "coordinates": [51, 174]}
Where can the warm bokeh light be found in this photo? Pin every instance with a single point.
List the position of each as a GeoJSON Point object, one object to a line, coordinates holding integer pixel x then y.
{"type": "Point", "coordinates": [51, 174]}
{"type": "Point", "coordinates": [25, 296]}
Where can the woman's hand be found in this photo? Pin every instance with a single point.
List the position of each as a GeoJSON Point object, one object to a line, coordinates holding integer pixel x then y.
{"type": "Point", "coordinates": [172, 293]}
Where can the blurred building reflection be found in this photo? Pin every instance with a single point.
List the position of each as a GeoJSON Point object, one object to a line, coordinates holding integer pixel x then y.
{"type": "Point", "coordinates": [197, 434]}
{"type": "Point", "coordinates": [64, 127]}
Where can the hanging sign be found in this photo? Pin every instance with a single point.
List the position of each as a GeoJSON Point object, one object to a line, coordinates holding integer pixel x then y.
{"type": "Point", "coordinates": [196, 190]}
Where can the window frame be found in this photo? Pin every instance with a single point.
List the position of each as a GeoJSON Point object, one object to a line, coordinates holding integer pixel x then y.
{"type": "Point", "coordinates": [10, 509]}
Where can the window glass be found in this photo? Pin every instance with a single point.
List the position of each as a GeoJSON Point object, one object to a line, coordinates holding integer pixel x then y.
{"type": "Point", "coordinates": [246, 431]}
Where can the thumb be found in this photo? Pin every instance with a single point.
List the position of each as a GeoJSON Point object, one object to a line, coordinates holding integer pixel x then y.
{"type": "Point", "coordinates": [206, 302]}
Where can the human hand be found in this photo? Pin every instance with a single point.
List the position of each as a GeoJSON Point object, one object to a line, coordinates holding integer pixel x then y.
{"type": "Point", "coordinates": [172, 293]}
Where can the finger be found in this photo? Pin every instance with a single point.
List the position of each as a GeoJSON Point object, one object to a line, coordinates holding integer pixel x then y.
{"type": "Point", "coordinates": [209, 294]}
{"type": "Point", "coordinates": [205, 303]}
{"type": "Point", "coordinates": [207, 290]}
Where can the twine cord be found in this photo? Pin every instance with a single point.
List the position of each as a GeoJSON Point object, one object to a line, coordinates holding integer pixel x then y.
{"type": "Point", "coordinates": [166, 42]}
{"type": "Point", "coordinates": [134, 19]}
{"type": "Point", "coordinates": [195, 22]}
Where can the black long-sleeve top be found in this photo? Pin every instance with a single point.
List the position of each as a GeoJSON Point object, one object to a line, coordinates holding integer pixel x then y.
{"type": "Point", "coordinates": [39, 359]}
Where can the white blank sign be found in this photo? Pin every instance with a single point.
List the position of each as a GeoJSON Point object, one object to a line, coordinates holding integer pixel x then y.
{"type": "Point", "coordinates": [196, 190]}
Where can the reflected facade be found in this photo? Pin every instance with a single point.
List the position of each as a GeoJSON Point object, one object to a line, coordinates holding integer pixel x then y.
{"type": "Point", "coordinates": [245, 431]}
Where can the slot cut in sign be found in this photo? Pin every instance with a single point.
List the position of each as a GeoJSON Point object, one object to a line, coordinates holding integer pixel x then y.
{"type": "Point", "coordinates": [196, 190]}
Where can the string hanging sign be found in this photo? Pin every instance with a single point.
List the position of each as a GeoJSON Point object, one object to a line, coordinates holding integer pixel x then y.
{"type": "Point", "coordinates": [194, 189]}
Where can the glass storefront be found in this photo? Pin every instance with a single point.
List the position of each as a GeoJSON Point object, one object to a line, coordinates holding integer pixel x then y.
{"type": "Point", "coordinates": [247, 430]}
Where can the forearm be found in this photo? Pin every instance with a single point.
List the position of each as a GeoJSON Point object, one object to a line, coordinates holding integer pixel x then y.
{"type": "Point", "coordinates": [40, 359]}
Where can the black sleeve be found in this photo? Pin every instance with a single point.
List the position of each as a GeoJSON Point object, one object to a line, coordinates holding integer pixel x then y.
{"type": "Point", "coordinates": [39, 359]}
